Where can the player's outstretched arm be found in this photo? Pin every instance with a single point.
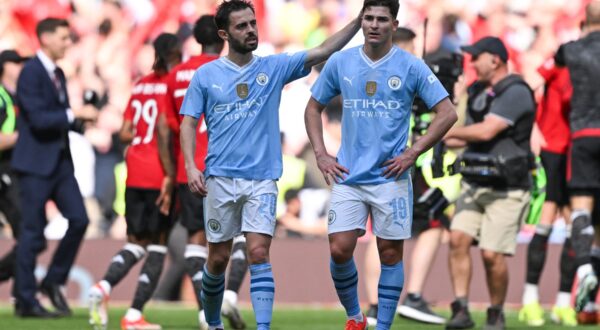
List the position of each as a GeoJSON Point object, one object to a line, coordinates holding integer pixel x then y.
{"type": "Point", "coordinates": [332, 44]}
{"type": "Point", "coordinates": [444, 119]}
{"type": "Point", "coordinates": [168, 164]}
{"type": "Point", "coordinates": [188, 147]}
{"type": "Point", "coordinates": [331, 169]}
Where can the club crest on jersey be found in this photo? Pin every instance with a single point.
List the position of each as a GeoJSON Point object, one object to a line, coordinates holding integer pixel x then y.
{"type": "Point", "coordinates": [242, 90]}
{"type": "Point", "coordinates": [214, 226]}
{"type": "Point", "coordinates": [262, 79]}
{"type": "Point", "coordinates": [394, 83]}
{"type": "Point", "coordinates": [371, 88]}
{"type": "Point", "coordinates": [331, 217]}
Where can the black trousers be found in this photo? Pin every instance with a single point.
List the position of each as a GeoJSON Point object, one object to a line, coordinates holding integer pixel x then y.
{"type": "Point", "coordinates": [35, 191]}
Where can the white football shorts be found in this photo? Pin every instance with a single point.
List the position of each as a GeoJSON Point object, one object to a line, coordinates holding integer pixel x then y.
{"type": "Point", "coordinates": [390, 205]}
{"type": "Point", "coordinates": [234, 206]}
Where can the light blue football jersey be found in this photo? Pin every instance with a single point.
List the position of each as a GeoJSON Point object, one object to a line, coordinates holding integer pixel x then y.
{"type": "Point", "coordinates": [241, 107]}
{"type": "Point", "coordinates": [377, 99]}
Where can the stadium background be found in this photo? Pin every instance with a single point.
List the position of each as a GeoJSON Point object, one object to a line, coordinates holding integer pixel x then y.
{"type": "Point", "coordinates": [111, 50]}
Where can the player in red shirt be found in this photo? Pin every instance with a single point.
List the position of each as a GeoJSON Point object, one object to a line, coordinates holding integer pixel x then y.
{"type": "Point", "coordinates": [191, 206]}
{"type": "Point", "coordinates": [551, 138]}
{"type": "Point", "coordinates": [150, 178]}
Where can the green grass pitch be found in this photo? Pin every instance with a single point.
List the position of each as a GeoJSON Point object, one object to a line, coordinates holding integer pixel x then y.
{"type": "Point", "coordinates": [175, 317]}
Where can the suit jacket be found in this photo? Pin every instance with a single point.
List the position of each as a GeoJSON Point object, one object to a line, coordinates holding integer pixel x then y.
{"type": "Point", "coordinates": [43, 124]}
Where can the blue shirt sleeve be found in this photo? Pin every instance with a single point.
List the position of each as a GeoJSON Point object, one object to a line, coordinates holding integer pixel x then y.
{"type": "Point", "coordinates": [429, 88]}
{"type": "Point", "coordinates": [194, 101]}
{"type": "Point", "coordinates": [292, 65]}
{"type": "Point", "coordinates": [327, 85]}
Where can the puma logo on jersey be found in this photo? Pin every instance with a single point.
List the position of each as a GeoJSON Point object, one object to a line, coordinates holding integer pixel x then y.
{"type": "Point", "coordinates": [348, 80]}
{"type": "Point", "coordinates": [215, 86]}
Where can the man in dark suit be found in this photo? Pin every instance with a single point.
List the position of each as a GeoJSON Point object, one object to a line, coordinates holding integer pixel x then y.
{"type": "Point", "coordinates": [43, 162]}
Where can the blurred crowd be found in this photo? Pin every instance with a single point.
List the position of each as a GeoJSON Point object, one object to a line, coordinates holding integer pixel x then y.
{"type": "Point", "coordinates": [112, 49]}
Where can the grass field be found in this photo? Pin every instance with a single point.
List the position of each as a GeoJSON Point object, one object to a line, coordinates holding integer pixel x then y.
{"type": "Point", "coordinates": [185, 318]}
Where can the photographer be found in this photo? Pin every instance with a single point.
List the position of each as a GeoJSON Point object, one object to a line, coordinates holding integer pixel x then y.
{"type": "Point", "coordinates": [496, 178]}
{"type": "Point", "coordinates": [11, 64]}
{"type": "Point", "coordinates": [432, 188]}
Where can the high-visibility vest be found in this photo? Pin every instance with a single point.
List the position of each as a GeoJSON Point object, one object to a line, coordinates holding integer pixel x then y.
{"type": "Point", "coordinates": [10, 122]}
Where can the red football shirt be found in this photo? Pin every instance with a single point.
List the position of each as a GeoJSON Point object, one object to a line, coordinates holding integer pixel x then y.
{"type": "Point", "coordinates": [144, 169]}
{"type": "Point", "coordinates": [177, 83]}
{"type": "Point", "coordinates": [553, 110]}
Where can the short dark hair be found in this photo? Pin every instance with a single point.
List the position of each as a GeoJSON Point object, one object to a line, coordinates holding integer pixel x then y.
{"type": "Point", "coordinates": [50, 24]}
{"type": "Point", "coordinates": [205, 31]}
{"type": "Point", "coordinates": [403, 35]}
{"type": "Point", "coordinates": [393, 5]}
{"type": "Point", "coordinates": [228, 7]}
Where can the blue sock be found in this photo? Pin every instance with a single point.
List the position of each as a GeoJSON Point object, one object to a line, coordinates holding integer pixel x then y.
{"type": "Point", "coordinates": [213, 287]}
{"type": "Point", "coordinates": [391, 282]}
{"type": "Point", "coordinates": [345, 280]}
{"type": "Point", "coordinates": [262, 292]}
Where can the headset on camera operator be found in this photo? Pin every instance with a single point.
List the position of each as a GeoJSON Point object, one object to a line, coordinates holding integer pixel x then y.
{"type": "Point", "coordinates": [496, 176]}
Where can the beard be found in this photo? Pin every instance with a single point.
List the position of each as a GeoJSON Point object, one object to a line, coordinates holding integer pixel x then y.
{"type": "Point", "coordinates": [241, 47]}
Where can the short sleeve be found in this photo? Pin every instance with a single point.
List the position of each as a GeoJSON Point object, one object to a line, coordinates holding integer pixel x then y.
{"type": "Point", "coordinates": [171, 111]}
{"type": "Point", "coordinates": [194, 100]}
{"type": "Point", "coordinates": [327, 85]}
{"type": "Point", "coordinates": [293, 65]}
{"type": "Point", "coordinates": [511, 105]}
{"type": "Point", "coordinates": [428, 86]}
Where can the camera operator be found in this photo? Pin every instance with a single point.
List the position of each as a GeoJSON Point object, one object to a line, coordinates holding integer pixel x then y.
{"type": "Point", "coordinates": [496, 178]}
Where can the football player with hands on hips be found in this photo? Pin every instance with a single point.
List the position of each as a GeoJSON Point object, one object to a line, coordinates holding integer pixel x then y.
{"type": "Point", "coordinates": [378, 82]}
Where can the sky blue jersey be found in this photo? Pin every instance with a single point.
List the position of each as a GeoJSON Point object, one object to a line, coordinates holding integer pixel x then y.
{"type": "Point", "coordinates": [241, 107]}
{"type": "Point", "coordinates": [377, 98]}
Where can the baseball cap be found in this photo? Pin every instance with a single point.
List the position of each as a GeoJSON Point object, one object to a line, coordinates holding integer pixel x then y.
{"type": "Point", "coordinates": [10, 56]}
{"type": "Point", "coordinates": [490, 45]}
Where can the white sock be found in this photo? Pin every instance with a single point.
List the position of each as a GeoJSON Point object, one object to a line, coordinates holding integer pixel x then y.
{"type": "Point", "coordinates": [583, 270]}
{"type": "Point", "coordinates": [358, 317]}
{"type": "Point", "coordinates": [105, 287]}
{"type": "Point", "coordinates": [194, 250]}
{"type": "Point", "coordinates": [133, 314]}
{"type": "Point", "coordinates": [530, 294]}
{"type": "Point", "coordinates": [231, 297]}
{"type": "Point", "coordinates": [563, 299]}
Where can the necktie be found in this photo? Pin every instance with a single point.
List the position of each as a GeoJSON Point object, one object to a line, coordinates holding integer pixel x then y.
{"type": "Point", "coordinates": [57, 83]}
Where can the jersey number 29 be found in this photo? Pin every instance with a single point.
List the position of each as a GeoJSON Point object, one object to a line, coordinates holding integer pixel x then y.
{"type": "Point", "coordinates": [148, 112]}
